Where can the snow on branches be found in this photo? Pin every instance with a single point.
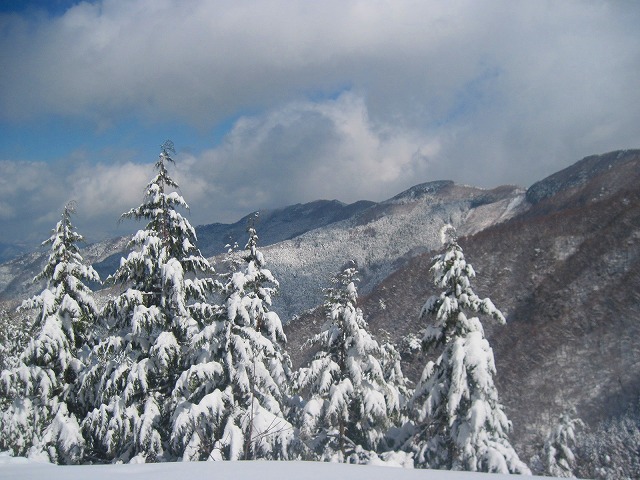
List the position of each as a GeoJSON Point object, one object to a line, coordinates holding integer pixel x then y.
{"type": "Point", "coordinates": [352, 403]}
{"type": "Point", "coordinates": [129, 383]}
{"type": "Point", "coordinates": [461, 424]}
{"type": "Point", "coordinates": [231, 403]}
{"type": "Point", "coordinates": [40, 419]}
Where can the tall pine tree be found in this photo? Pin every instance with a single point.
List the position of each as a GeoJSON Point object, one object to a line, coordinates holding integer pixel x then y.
{"type": "Point", "coordinates": [352, 396]}
{"type": "Point", "coordinates": [461, 424]}
{"type": "Point", "coordinates": [41, 417]}
{"type": "Point", "coordinates": [232, 401]}
{"type": "Point", "coordinates": [134, 370]}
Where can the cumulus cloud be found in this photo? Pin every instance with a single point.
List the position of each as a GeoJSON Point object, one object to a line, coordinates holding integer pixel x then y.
{"type": "Point", "coordinates": [265, 161]}
{"type": "Point", "coordinates": [304, 151]}
{"type": "Point", "coordinates": [333, 99]}
{"type": "Point", "coordinates": [34, 194]}
{"type": "Point", "coordinates": [107, 189]}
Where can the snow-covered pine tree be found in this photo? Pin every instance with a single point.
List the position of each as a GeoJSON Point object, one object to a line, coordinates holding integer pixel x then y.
{"type": "Point", "coordinates": [231, 403]}
{"type": "Point", "coordinates": [41, 418]}
{"type": "Point", "coordinates": [559, 459]}
{"type": "Point", "coordinates": [352, 396]}
{"type": "Point", "coordinates": [461, 424]}
{"type": "Point", "coordinates": [134, 370]}
{"type": "Point", "coordinates": [14, 337]}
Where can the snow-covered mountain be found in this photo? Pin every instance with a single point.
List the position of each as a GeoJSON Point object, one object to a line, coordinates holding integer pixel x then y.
{"type": "Point", "coordinates": [565, 270]}
{"type": "Point", "coordinates": [274, 225]}
{"type": "Point", "coordinates": [10, 251]}
{"type": "Point", "coordinates": [309, 242]}
{"type": "Point", "coordinates": [560, 259]}
{"type": "Point", "coordinates": [382, 237]}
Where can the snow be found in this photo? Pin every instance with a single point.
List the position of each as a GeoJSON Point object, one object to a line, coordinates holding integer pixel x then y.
{"type": "Point", "coordinates": [22, 469]}
{"type": "Point", "coordinates": [395, 229]}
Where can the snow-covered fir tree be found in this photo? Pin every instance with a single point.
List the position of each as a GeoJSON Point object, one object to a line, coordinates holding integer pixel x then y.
{"type": "Point", "coordinates": [559, 459]}
{"type": "Point", "coordinates": [461, 424]}
{"type": "Point", "coordinates": [14, 337]}
{"type": "Point", "coordinates": [232, 401]}
{"type": "Point", "coordinates": [41, 418]}
{"type": "Point", "coordinates": [353, 396]}
{"type": "Point", "coordinates": [134, 370]}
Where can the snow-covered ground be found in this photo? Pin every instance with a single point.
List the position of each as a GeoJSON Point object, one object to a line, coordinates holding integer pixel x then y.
{"type": "Point", "coordinates": [23, 469]}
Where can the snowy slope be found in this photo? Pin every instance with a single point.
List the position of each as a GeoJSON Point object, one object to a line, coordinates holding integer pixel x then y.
{"type": "Point", "coordinates": [382, 238]}
{"type": "Point", "coordinates": [16, 275]}
{"type": "Point", "coordinates": [273, 226]}
{"type": "Point", "coordinates": [321, 237]}
{"type": "Point", "coordinates": [21, 469]}
{"type": "Point", "coordinates": [277, 225]}
{"type": "Point", "coordinates": [566, 274]}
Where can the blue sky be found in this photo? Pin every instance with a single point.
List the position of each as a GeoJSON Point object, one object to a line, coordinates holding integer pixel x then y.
{"type": "Point", "coordinates": [277, 102]}
{"type": "Point", "coordinates": [51, 7]}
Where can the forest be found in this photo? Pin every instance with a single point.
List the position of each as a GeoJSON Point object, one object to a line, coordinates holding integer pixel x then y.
{"type": "Point", "coordinates": [184, 362]}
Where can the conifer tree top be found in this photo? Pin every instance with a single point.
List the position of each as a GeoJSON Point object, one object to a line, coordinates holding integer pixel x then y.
{"type": "Point", "coordinates": [65, 258]}
{"type": "Point", "coordinates": [453, 274]}
{"type": "Point", "coordinates": [168, 234]}
{"type": "Point", "coordinates": [462, 425]}
{"type": "Point", "coordinates": [156, 201]}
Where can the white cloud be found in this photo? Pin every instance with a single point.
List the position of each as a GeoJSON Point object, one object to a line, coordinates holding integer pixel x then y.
{"type": "Point", "coordinates": [346, 99]}
{"type": "Point", "coordinates": [108, 189]}
{"type": "Point", "coordinates": [34, 194]}
{"type": "Point", "coordinates": [29, 191]}
{"type": "Point", "coordinates": [279, 158]}
{"type": "Point", "coordinates": [201, 61]}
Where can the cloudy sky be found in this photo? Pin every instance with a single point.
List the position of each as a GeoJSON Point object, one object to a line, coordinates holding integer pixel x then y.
{"type": "Point", "coordinates": [271, 103]}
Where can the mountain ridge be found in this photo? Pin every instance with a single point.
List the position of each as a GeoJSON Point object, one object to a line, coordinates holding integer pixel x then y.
{"type": "Point", "coordinates": [274, 227]}
{"type": "Point", "coordinates": [561, 259]}
{"type": "Point", "coordinates": [565, 271]}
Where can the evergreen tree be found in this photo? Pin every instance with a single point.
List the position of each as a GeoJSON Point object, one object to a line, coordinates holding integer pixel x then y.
{"type": "Point", "coordinates": [461, 424]}
{"type": "Point", "coordinates": [558, 455]}
{"type": "Point", "coordinates": [14, 338]}
{"type": "Point", "coordinates": [231, 403]}
{"type": "Point", "coordinates": [40, 419]}
{"type": "Point", "coordinates": [353, 395]}
{"type": "Point", "coordinates": [134, 370]}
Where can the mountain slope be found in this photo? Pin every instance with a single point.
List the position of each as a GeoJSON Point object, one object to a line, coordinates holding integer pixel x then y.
{"type": "Point", "coordinates": [382, 238]}
{"type": "Point", "coordinates": [277, 225]}
{"type": "Point", "coordinates": [566, 273]}
{"type": "Point", "coordinates": [274, 226]}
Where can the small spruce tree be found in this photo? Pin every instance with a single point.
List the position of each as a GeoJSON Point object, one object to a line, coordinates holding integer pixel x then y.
{"type": "Point", "coordinates": [353, 397]}
{"type": "Point", "coordinates": [461, 424]}
{"type": "Point", "coordinates": [559, 458]}
{"type": "Point", "coordinates": [133, 371]}
{"type": "Point", "coordinates": [41, 418]}
{"type": "Point", "coordinates": [231, 403]}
